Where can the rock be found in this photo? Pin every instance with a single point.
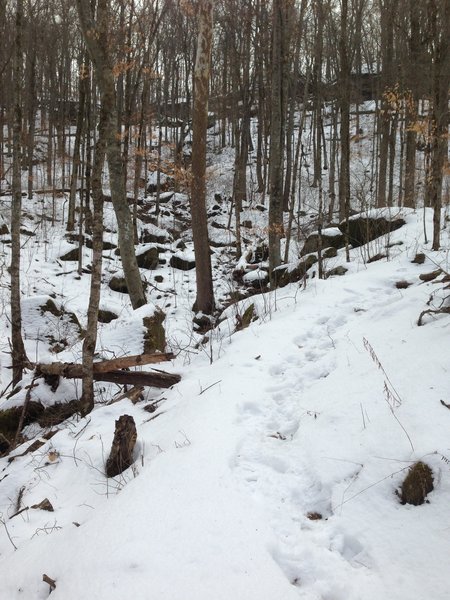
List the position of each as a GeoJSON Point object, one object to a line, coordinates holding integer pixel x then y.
{"type": "Point", "coordinates": [283, 275]}
{"type": "Point", "coordinates": [106, 316]}
{"type": "Point", "coordinates": [419, 259]}
{"type": "Point", "coordinates": [45, 504]}
{"type": "Point", "coordinates": [148, 259]}
{"type": "Point", "coordinates": [154, 236]}
{"type": "Point", "coordinates": [376, 257]}
{"type": "Point", "coordinates": [417, 484]}
{"type": "Point", "coordinates": [5, 445]}
{"type": "Point", "coordinates": [430, 276]}
{"type": "Point", "coordinates": [329, 252]}
{"type": "Point", "coordinates": [10, 419]}
{"type": "Point", "coordinates": [402, 285]}
{"type": "Point", "coordinates": [331, 237]}
{"type": "Point", "coordinates": [118, 284]}
{"type": "Point", "coordinates": [165, 197]}
{"type": "Point", "coordinates": [247, 224]}
{"type": "Point", "coordinates": [51, 307]}
{"type": "Point", "coordinates": [57, 413]}
{"type": "Point", "coordinates": [257, 278]}
{"type": "Point", "coordinates": [202, 322]}
{"type": "Point", "coordinates": [61, 331]}
{"type": "Point", "coordinates": [260, 254]}
{"type": "Point", "coordinates": [261, 207]}
{"type": "Point", "coordinates": [106, 245]}
{"type": "Point", "coordinates": [242, 322]}
{"type": "Point", "coordinates": [121, 455]}
{"type": "Point", "coordinates": [72, 255]}
{"type": "Point", "coordinates": [155, 335]}
{"type": "Point", "coordinates": [24, 231]}
{"type": "Point", "coordinates": [4, 229]}
{"type": "Point", "coordinates": [363, 229]}
{"type": "Point", "coordinates": [340, 270]}
{"type": "Point", "coordinates": [218, 225]}
{"type": "Point", "coordinates": [182, 261]}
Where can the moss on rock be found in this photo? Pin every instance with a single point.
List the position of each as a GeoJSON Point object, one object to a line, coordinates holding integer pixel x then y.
{"type": "Point", "coordinates": [155, 334]}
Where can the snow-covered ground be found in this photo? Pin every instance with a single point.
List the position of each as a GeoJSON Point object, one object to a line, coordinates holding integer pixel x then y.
{"type": "Point", "coordinates": [270, 471]}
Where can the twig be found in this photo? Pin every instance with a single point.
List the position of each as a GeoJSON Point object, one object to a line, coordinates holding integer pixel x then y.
{"type": "Point", "coordinates": [2, 521]}
{"type": "Point", "coordinates": [23, 413]}
{"type": "Point", "coordinates": [210, 386]}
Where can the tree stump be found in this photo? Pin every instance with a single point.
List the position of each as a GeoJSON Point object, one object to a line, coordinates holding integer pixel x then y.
{"type": "Point", "coordinates": [121, 455]}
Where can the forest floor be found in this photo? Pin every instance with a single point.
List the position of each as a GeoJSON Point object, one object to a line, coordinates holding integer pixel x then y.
{"type": "Point", "coordinates": [273, 470]}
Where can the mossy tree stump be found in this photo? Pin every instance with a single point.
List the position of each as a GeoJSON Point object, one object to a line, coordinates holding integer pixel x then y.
{"type": "Point", "coordinates": [417, 484]}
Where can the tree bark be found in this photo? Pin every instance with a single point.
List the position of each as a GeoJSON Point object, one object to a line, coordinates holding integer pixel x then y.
{"type": "Point", "coordinates": [18, 354]}
{"type": "Point", "coordinates": [96, 37]}
{"type": "Point", "coordinates": [280, 48]}
{"type": "Point", "coordinates": [90, 340]}
{"type": "Point", "coordinates": [205, 295]}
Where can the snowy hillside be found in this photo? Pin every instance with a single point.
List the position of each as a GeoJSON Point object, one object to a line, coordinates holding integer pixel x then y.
{"type": "Point", "coordinates": [272, 470]}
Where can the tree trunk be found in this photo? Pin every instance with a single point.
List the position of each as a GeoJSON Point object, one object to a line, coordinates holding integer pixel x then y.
{"type": "Point", "coordinates": [205, 295]}
{"type": "Point", "coordinates": [280, 46]}
{"type": "Point", "coordinates": [96, 35]}
{"type": "Point", "coordinates": [18, 354]}
{"type": "Point", "coordinates": [90, 340]}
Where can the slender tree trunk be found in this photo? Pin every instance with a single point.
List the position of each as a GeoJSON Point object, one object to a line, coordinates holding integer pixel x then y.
{"type": "Point", "coordinates": [90, 340]}
{"type": "Point", "coordinates": [18, 354]}
{"type": "Point", "coordinates": [76, 159]}
{"type": "Point", "coordinates": [440, 27]}
{"type": "Point", "coordinates": [344, 173]}
{"type": "Point", "coordinates": [205, 296]}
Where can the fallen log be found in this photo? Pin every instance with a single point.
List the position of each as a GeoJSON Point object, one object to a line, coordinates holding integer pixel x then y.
{"type": "Point", "coordinates": [112, 371]}
{"type": "Point", "coordinates": [124, 362]}
{"type": "Point", "coordinates": [159, 379]}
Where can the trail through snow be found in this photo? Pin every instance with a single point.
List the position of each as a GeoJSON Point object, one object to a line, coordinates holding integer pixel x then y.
{"type": "Point", "coordinates": [270, 474]}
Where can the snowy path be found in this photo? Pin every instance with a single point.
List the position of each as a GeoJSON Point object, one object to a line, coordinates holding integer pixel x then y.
{"type": "Point", "coordinates": [290, 419]}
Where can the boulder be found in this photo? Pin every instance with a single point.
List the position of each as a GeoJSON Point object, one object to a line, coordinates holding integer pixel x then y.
{"type": "Point", "coordinates": [106, 316]}
{"type": "Point", "coordinates": [148, 259]}
{"type": "Point", "coordinates": [71, 255]}
{"type": "Point", "coordinates": [181, 261]}
{"type": "Point", "coordinates": [106, 245]}
{"type": "Point", "coordinates": [330, 237]}
{"type": "Point", "coordinates": [363, 228]}
{"type": "Point", "coordinates": [154, 235]}
{"type": "Point", "coordinates": [329, 252]}
{"type": "Point", "coordinates": [60, 327]}
{"type": "Point", "coordinates": [419, 258]}
{"type": "Point", "coordinates": [256, 278]}
{"type": "Point", "coordinates": [155, 335]}
{"type": "Point", "coordinates": [118, 284]}
{"type": "Point", "coordinates": [340, 270]}
{"type": "Point", "coordinates": [260, 254]}
{"type": "Point", "coordinates": [4, 229]}
{"type": "Point", "coordinates": [284, 275]}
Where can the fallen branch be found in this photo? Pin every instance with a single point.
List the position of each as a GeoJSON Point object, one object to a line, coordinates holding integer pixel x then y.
{"type": "Point", "coordinates": [431, 311]}
{"type": "Point", "coordinates": [159, 379]}
{"type": "Point", "coordinates": [69, 370]}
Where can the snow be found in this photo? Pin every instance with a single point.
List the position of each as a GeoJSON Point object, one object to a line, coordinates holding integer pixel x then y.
{"type": "Point", "coordinates": [268, 426]}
